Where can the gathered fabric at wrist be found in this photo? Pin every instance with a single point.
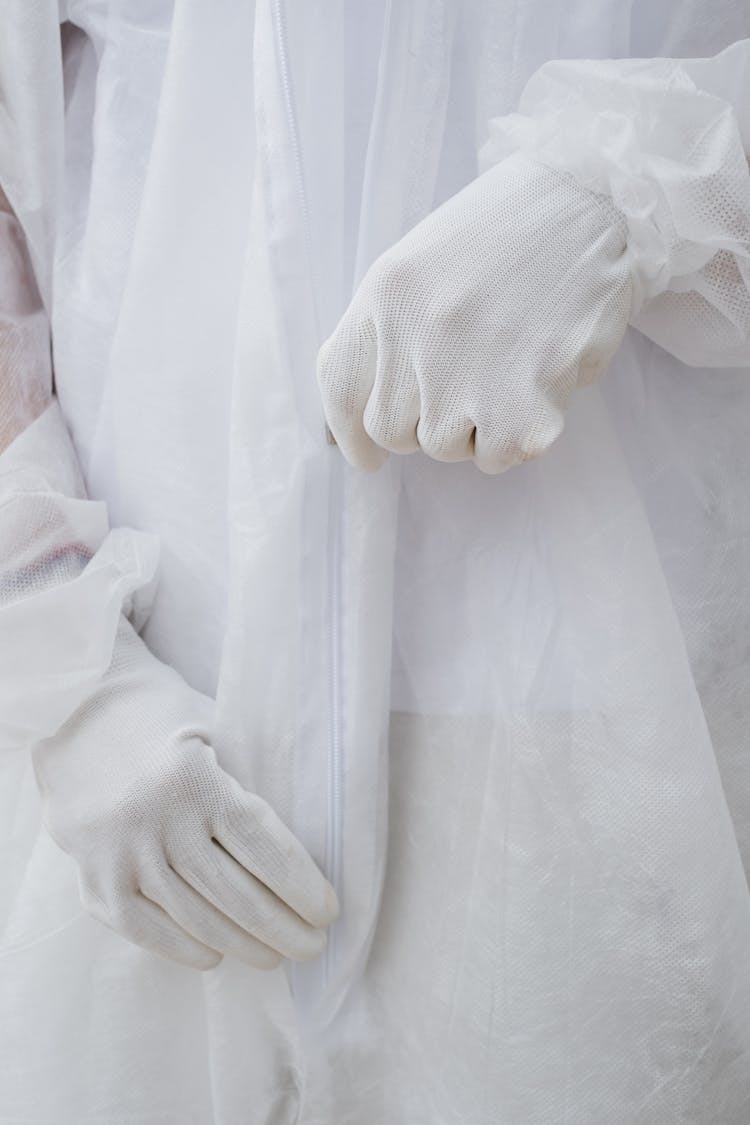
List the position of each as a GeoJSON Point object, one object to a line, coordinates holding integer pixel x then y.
{"type": "Point", "coordinates": [668, 154]}
{"type": "Point", "coordinates": [65, 579]}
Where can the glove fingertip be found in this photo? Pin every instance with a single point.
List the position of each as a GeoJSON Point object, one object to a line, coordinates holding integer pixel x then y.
{"type": "Point", "coordinates": [326, 910]}
{"type": "Point", "coordinates": [364, 455]}
{"type": "Point", "coordinates": [208, 961]}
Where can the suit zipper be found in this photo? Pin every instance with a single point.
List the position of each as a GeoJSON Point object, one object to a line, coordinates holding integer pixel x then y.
{"type": "Point", "coordinates": [333, 857]}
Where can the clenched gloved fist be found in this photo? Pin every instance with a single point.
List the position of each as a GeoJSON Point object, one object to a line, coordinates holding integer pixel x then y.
{"type": "Point", "coordinates": [468, 336]}
{"type": "Point", "coordinates": [172, 852]}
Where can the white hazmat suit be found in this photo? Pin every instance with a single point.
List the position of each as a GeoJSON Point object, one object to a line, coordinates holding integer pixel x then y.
{"type": "Point", "coordinates": [506, 715]}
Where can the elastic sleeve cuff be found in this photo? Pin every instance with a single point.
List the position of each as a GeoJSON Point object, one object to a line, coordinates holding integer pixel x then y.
{"type": "Point", "coordinates": [65, 580]}
{"type": "Point", "coordinates": [668, 154]}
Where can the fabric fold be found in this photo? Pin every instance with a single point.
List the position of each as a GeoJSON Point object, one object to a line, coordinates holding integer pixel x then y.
{"type": "Point", "coordinates": [670, 155]}
{"type": "Point", "coordinates": [65, 579]}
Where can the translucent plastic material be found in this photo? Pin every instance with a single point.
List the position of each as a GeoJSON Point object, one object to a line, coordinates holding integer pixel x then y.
{"type": "Point", "coordinates": [670, 155]}
{"type": "Point", "coordinates": [507, 715]}
{"type": "Point", "coordinates": [64, 581]}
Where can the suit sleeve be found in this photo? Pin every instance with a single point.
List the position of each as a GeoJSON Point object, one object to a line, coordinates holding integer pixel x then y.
{"type": "Point", "coordinates": [65, 576]}
{"type": "Point", "coordinates": [667, 141]}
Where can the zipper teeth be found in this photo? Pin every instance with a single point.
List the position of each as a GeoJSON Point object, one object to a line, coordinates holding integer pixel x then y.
{"type": "Point", "coordinates": [335, 757]}
{"type": "Point", "coordinates": [333, 849]}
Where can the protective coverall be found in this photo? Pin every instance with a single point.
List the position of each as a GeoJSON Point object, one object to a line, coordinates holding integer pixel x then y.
{"type": "Point", "coordinates": [505, 713]}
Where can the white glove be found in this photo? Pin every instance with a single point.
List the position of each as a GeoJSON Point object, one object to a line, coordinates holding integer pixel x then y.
{"type": "Point", "coordinates": [621, 190]}
{"type": "Point", "coordinates": [172, 852]}
{"type": "Point", "coordinates": [467, 338]}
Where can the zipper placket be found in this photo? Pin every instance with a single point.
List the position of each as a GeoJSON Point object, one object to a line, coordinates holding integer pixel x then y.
{"type": "Point", "coordinates": [335, 746]}
{"type": "Point", "coordinates": [335, 515]}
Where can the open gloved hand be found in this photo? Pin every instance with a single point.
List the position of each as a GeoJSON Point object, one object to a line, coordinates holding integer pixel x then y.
{"type": "Point", "coordinates": [467, 337]}
{"type": "Point", "coordinates": [172, 852]}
